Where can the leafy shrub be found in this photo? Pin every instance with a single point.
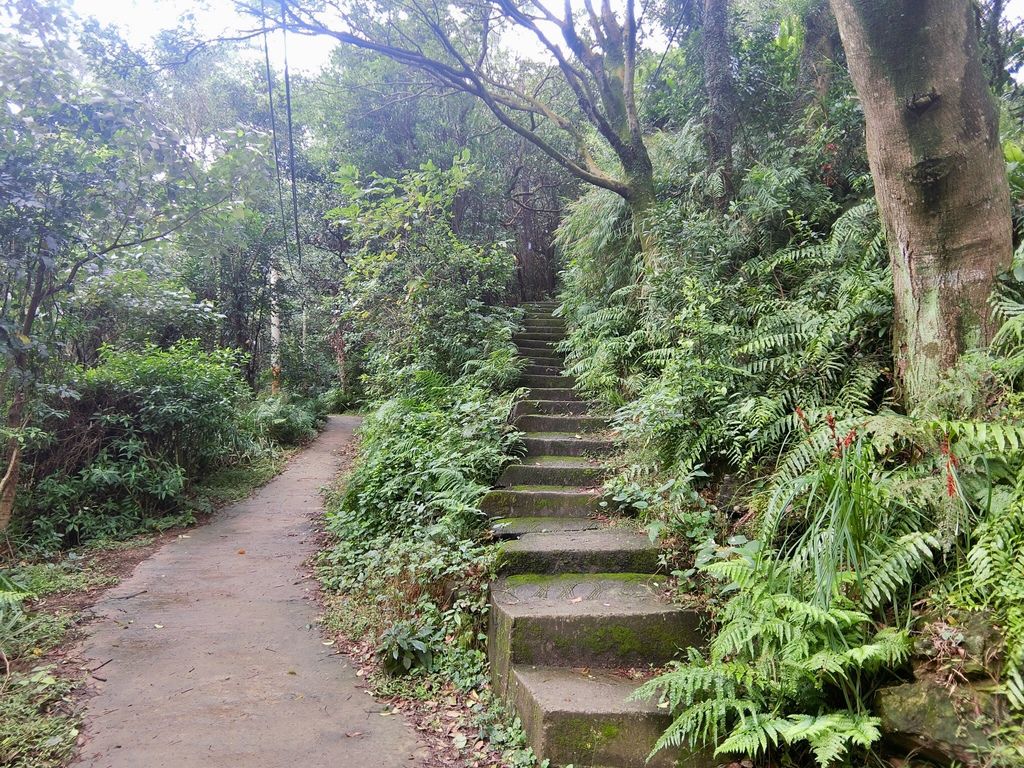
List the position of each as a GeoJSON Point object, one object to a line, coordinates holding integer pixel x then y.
{"type": "Point", "coordinates": [288, 421]}
{"type": "Point", "coordinates": [418, 296]}
{"type": "Point", "coordinates": [405, 646]}
{"type": "Point", "coordinates": [124, 439]}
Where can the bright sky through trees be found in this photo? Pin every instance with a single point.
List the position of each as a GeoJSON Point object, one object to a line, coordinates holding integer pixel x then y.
{"type": "Point", "coordinates": [140, 20]}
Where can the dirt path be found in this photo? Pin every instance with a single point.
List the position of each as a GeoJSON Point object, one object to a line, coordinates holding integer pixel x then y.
{"type": "Point", "coordinates": [210, 653]}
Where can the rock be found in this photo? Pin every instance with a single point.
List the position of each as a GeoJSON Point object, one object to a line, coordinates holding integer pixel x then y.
{"type": "Point", "coordinates": [942, 725]}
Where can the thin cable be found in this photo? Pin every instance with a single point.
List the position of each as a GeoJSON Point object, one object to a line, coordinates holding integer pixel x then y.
{"type": "Point", "coordinates": [273, 128]}
{"type": "Point", "coordinates": [291, 141]}
{"type": "Point", "coordinates": [668, 46]}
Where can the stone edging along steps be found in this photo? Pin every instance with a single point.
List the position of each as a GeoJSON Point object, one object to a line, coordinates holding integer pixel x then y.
{"type": "Point", "coordinates": [577, 617]}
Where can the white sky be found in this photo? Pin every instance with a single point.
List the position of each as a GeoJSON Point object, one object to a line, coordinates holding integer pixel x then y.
{"type": "Point", "coordinates": [140, 20]}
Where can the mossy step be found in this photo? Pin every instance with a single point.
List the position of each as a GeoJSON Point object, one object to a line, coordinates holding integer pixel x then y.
{"type": "Point", "coordinates": [532, 380]}
{"type": "Point", "coordinates": [565, 444]}
{"type": "Point", "coordinates": [544, 324]}
{"type": "Point", "coordinates": [608, 550]}
{"type": "Point", "coordinates": [539, 501]}
{"type": "Point", "coordinates": [586, 620]}
{"type": "Point", "coordinates": [544, 360]}
{"type": "Point", "coordinates": [552, 408]}
{"type": "Point", "coordinates": [514, 527]}
{"type": "Point", "coordinates": [573, 471]}
{"type": "Point", "coordinates": [552, 393]}
{"type": "Point", "coordinates": [561, 423]}
{"type": "Point", "coordinates": [534, 349]}
{"type": "Point", "coordinates": [585, 718]}
{"type": "Point", "coordinates": [534, 369]}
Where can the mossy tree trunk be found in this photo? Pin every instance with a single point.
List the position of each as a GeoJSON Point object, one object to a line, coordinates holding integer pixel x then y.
{"type": "Point", "coordinates": [940, 180]}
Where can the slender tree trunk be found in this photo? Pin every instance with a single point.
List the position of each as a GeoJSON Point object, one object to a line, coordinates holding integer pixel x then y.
{"type": "Point", "coordinates": [940, 180]}
{"type": "Point", "coordinates": [720, 117]}
{"type": "Point", "coordinates": [275, 334]}
{"type": "Point", "coordinates": [817, 57]}
{"type": "Point", "coordinates": [11, 468]}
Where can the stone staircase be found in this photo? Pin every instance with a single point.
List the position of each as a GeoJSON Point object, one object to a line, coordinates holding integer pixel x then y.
{"type": "Point", "coordinates": [577, 617]}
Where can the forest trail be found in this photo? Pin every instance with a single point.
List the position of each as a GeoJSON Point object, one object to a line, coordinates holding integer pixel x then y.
{"type": "Point", "coordinates": [578, 615]}
{"type": "Point", "coordinates": [210, 654]}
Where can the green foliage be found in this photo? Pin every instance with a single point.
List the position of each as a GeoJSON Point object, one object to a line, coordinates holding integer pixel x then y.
{"type": "Point", "coordinates": [33, 731]}
{"type": "Point", "coordinates": [405, 646]}
{"type": "Point", "coordinates": [419, 296]}
{"type": "Point", "coordinates": [288, 421]}
{"type": "Point", "coordinates": [126, 437]}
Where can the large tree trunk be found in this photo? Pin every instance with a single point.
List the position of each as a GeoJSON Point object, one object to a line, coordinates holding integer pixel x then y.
{"type": "Point", "coordinates": [720, 116]}
{"type": "Point", "coordinates": [933, 146]}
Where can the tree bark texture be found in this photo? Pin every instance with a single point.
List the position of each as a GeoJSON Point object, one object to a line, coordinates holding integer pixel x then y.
{"type": "Point", "coordinates": [940, 180]}
{"type": "Point", "coordinates": [718, 122]}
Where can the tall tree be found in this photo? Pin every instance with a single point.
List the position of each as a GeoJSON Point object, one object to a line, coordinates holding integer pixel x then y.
{"type": "Point", "coordinates": [86, 172]}
{"type": "Point", "coordinates": [940, 180]}
{"type": "Point", "coordinates": [594, 60]}
{"type": "Point", "coordinates": [720, 114]}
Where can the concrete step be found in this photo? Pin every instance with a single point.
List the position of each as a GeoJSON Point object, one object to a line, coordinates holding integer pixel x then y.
{"type": "Point", "coordinates": [541, 337]}
{"type": "Point", "coordinates": [559, 423]}
{"type": "Point", "coordinates": [552, 408]}
{"type": "Point", "coordinates": [586, 620]}
{"type": "Point", "coordinates": [539, 501]}
{"type": "Point", "coordinates": [537, 349]}
{"type": "Point", "coordinates": [544, 325]}
{"type": "Point", "coordinates": [552, 359]}
{"type": "Point", "coordinates": [514, 527]}
{"type": "Point", "coordinates": [586, 719]}
{"type": "Point", "coordinates": [572, 471]}
{"type": "Point", "coordinates": [566, 444]}
{"type": "Point", "coordinates": [553, 393]}
{"type": "Point", "coordinates": [531, 380]}
{"type": "Point", "coordinates": [533, 369]}
{"type": "Point", "coordinates": [608, 550]}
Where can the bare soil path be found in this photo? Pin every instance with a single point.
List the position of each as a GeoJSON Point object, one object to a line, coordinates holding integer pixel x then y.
{"type": "Point", "coordinates": [210, 654]}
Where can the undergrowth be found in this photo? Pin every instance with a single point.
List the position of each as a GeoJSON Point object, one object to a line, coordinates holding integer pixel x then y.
{"type": "Point", "coordinates": [747, 355]}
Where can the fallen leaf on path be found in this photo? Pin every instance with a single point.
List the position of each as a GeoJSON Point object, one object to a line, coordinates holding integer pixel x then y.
{"type": "Point", "coordinates": [241, 551]}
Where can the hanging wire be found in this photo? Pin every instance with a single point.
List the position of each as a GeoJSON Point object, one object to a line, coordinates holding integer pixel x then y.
{"type": "Point", "coordinates": [291, 141]}
{"type": "Point", "coordinates": [273, 128]}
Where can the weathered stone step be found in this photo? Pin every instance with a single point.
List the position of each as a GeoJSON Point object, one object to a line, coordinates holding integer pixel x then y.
{"type": "Point", "coordinates": [539, 501]}
{"type": "Point", "coordinates": [609, 550]}
{"type": "Point", "coordinates": [552, 408]}
{"type": "Point", "coordinates": [540, 337]}
{"type": "Point", "coordinates": [533, 369]}
{"type": "Point", "coordinates": [531, 380]}
{"type": "Point", "coordinates": [549, 357]}
{"type": "Point", "coordinates": [514, 527]}
{"type": "Point", "coordinates": [560, 423]}
{"type": "Point", "coordinates": [574, 471]}
{"type": "Point", "coordinates": [553, 393]}
{"type": "Point", "coordinates": [585, 718]}
{"type": "Point", "coordinates": [537, 349]}
{"type": "Point", "coordinates": [544, 324]}
{"type": "Point", "coordinates": [565, 444]}
{"type": "Point", "coordinates": [585, 620]}
{"type": "Point", "coordinates": [532, 353]}
{"type": "Point", "coordinates": [553, 360]}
